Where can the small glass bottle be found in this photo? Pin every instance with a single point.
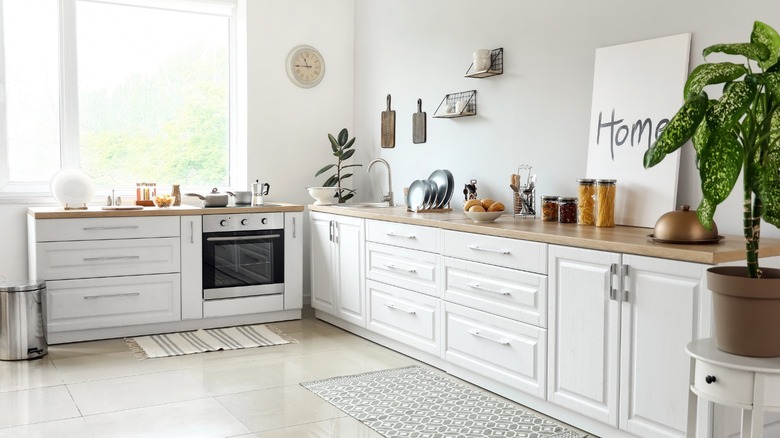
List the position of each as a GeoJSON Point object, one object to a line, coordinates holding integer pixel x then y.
{"type": "Point", "coordinates": [586, 201]}
{"type": "Point", "coordinates": [605, 202]}
{"type": "Point", "coordinates": [567, 210]}
{"type": "Point", "coordinates": [549, 208]}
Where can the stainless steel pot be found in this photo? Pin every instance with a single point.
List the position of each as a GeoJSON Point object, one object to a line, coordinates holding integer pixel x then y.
{"type": "Point", "coordinates": [241, 197]}
{"type": "Point", "coordinates": [213, 199]}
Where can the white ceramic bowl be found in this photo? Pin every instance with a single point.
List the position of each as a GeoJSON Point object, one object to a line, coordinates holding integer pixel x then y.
{"type": "Point", "coordinates": [322, 195]}
{"type": "Point", "coordinates": [486, 216]}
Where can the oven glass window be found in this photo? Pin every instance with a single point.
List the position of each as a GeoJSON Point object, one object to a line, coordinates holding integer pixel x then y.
{"type": "Point", "coordinates": [245, 258]}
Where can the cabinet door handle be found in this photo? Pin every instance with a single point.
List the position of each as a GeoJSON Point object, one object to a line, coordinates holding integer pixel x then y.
{"type": "Point", "coordinates": [330, 230]}
{"type": "Point", "coordinates": [96, 297]}
{"type": "Point", "coordinates": [478, 286]}
{"type": "Point", "coordinates": [479, 334]}
{"type": "Point", "coordinates": [405, 236]}
{"type": "Point", "coordinates": [192, 231]}
{"type": "Point", "coordinates": [293, 227]}
{"type": "Point", "coordinates": [108, 258]}
{"type": "Point", "coordinates": [393, 307]}
{"type": "Point", "coordinates": [497, 251]}
{"type": "Point", "coordinates": [396, 268]}
{"type": "Point", "coordinates": [125, 227]}
{"type": "Point", "coordinates": [710, 379]}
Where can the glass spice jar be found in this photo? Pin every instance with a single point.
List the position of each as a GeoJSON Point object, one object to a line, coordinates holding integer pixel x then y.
{"type": "Point", "coordinates": [605, 202]}
{"type": "Point", "coordinates": [586, 201]}
{"type": "Point", "coordinates": [567, 210]}
{"type": "Point", "coordinates": [549, 208]}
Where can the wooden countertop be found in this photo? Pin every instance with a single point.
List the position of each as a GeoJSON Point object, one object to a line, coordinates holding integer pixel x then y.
{"type": "Point", "coordinates": [183, 210]}
{"type": "Point", "coordinates": [628, 240]}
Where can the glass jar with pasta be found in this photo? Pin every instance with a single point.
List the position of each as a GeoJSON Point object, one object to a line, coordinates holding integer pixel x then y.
{"type": "Point", "coordinates": [586, 201]}
{"type": "Point", "coordinates": [605, 202]}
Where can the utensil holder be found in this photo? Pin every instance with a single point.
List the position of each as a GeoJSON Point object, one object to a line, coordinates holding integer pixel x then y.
{"type": "Point", "coordinates": [524, 203]}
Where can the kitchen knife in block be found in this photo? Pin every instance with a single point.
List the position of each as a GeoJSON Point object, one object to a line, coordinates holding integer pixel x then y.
{"type": "Point", "coordinates": [388, 127]}
{"type": "Point", "coordinates": [418, 124]}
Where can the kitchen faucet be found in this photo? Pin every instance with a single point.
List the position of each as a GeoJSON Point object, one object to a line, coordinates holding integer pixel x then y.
{"type": "Point", "coordinates": [389, 196]}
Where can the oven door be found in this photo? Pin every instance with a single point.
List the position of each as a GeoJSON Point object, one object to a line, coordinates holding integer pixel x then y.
{"type": "Point", "coordinates": [243, 263]}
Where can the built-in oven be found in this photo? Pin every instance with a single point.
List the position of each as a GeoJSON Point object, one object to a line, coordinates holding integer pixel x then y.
{"type": "Point", "coordinates": [243, 255]}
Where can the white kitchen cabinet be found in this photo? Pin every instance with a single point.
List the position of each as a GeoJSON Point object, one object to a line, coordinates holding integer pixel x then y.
{"type": "Point", "coordinates": [293, 260]}
{"type": "Point", "coordinates": [337, 266]}
{"type": "Point", "coordinates": [618, 327]}
{"type": "Point", "coordinates": [192, 267]}
{"type": "Point", "coordinates": [405, 316]}
{"type": "Point", "coordinates": [499, 348]}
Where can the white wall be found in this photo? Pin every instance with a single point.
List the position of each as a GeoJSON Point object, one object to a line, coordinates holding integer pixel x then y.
{"type": "Point", "coordinates": [538, 111]}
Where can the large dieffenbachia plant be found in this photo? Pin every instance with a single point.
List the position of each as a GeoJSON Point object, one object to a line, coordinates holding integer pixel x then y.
{"type": "Point", "coordinates": [737, 133]}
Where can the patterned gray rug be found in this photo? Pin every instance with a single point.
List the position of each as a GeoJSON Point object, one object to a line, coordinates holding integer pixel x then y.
{"type": "Point", "coordinates": [415, 402]}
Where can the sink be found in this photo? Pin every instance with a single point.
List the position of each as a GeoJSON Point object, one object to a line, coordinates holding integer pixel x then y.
{"type": "Point", "coordinates": [364, 205]}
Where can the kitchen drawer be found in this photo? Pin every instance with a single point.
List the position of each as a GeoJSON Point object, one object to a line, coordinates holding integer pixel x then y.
{"type": "Point", "coordinates": [730, 385]}
{"type": "Point", "coordinates": [500, 251]}
{"type": "Point", "coordinates": [506, 351]}
{"type": "Point", "coordinates": [510, 293]}
{"type": "Point", "coordinates": [404, 316]}
{"type": "Point", "coordinates": [403, 235]}
{"type": "Point", "coordinates": [106, 258]}
{"type": "Point", "coordinates": [410, 269]}
{"type": "Point", "coordinates": [56, 230]}
{"type": "Point", "coordinates": [111, 302]}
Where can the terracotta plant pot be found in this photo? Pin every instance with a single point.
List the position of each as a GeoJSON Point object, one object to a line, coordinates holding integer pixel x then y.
{"type": "Point", "coordinates": [746, 310]}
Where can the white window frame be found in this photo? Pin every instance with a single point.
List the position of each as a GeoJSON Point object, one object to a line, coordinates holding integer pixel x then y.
{"type": "Point", "coordinates": [21, 192]}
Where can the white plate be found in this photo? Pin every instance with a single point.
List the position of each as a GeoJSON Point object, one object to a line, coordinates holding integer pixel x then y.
{"type": "Point", "coordinates": [72, 188]}
{"type": "Point", "coordinates": [416, 195]}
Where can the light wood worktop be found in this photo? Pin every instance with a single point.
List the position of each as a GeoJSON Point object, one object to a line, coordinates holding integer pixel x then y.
{"type": "Point", "coordinates": [184, 210]}
{"type": "Point", "coordinates": [628, 240]}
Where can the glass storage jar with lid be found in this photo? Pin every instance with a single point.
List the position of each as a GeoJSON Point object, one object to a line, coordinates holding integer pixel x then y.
{"type": "Point", "coordinates": [605, 202]}
{"type": "Point", "coordinates": [549, 208]}
{"type": "Point", "coordinates": [567, 210]}
{"type": "Point", "coordinates": [586, 201]}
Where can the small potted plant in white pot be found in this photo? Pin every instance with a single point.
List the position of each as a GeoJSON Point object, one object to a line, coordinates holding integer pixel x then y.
{"type": "Point", "coordinates": [737, 133]}
{"type": "Point", "coordinates": [342, 150]}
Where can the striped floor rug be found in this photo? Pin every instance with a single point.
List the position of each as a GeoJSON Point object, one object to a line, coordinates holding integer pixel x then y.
{"type": "Point", "coordinates": [200, 341]}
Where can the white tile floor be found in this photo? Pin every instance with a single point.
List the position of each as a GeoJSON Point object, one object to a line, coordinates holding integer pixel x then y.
{"type": "Point", "coordinates": [99, 389]}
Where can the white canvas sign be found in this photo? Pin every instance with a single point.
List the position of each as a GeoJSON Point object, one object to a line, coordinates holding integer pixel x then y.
{"type": "Point", "coordinates": [637, 88]}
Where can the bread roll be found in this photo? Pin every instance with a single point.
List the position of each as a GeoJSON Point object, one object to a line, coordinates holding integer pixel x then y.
{"type": "Point", "coordinates": [496, 206]}
{"type": "Point", "coordinates": [477, 209]}
{"type": "Point", "coordinates": [470, 203]}
{"type": "Point", "coordinates": [486, 203]}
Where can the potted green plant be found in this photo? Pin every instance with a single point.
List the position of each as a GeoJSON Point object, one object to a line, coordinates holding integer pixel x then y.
{"type": "Point", "coordinates": [342, 150]}
{"type": "Point", "coordinates": [739, 133]}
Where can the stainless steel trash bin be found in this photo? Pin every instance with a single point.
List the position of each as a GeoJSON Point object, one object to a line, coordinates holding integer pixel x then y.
{"type": "Point", "coordinates": [22, 333]}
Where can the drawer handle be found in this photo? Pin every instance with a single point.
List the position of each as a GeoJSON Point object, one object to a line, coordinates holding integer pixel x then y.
{"type": "Point", "coordinates": [405, 236]}
{"type": "Point", "coordinates": [497, 251]}
{"type": "Point", "coordinates": [393, 307]}
{"type": "Point", "coordinates": [123, 227]}
{"type": "Point", "coordinates": [710, 379]}
{"type": "Point", "coordinates": [95, 297]}
{"type": "Point", "coordinates": [479, 334]}
{"type": "Point", "coordinates": [396, 268]}
{"type": "Point", "coordinates": [477, 286]}
{"type": "Point", "coordinates": [102, 259]}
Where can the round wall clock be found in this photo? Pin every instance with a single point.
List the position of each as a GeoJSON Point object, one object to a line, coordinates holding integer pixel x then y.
{"type": "Point", "coordinates": [305, 66]}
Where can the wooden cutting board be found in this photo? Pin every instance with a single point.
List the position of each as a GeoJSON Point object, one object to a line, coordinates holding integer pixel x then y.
{"type": "Point", "coordinates": [388, 126]}
{"type": "Point", "coordinates": [418, 124]}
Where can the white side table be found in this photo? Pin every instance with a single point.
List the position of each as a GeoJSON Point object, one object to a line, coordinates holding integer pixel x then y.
{"type": "Point", "coordinates": [749, 383]}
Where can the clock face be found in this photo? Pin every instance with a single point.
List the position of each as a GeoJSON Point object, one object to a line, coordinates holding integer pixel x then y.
{"type": "Point", "coordinates": [305, 66]}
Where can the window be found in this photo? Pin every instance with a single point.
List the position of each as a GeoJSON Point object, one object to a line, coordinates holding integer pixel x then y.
{"type": "Point", "coordinates": [126, 90]}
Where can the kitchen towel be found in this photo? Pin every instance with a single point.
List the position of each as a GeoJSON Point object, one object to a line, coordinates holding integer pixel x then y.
{"type": "Point", "coordinates": [413, 401]}
{"type": "Point", "coordinates": [200, 341]}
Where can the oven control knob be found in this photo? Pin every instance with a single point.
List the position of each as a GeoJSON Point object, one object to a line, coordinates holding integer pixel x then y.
{"type": "Point", "coordinates": [244, 221]}
{"type": "Point", "coordinates": [264, 220]}
{"type": "Point", "coordinates": [223, 223]}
